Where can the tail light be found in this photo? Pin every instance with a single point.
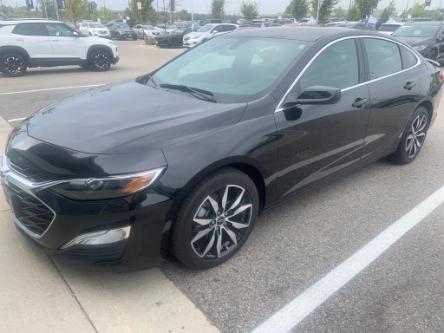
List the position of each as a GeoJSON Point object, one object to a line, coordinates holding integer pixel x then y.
{"type": "Point", "coordinates": [441, 76]}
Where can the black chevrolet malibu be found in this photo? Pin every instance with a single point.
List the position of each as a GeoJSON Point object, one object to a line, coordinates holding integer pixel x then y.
{"type": "Point", "coordinates": [182, 161]}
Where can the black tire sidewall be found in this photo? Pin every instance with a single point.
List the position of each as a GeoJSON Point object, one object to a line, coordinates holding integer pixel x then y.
{"type": "Point", "coordinates": [15, 54]}
{"type": "Point", "coordinates": [181, 232]}
{"type": "Point", "coordinates": [401, 155]}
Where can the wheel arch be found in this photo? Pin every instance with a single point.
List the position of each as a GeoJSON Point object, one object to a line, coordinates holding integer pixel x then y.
{"type": "Point", "coordinates": [99, 47]}
{"type": "Point", "coordinates": [429, 107]}
{"type": "Point", "coordinates": [21, 50]}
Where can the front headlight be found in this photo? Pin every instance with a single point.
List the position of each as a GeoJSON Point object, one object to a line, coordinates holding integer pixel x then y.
{"type": "Point", "coordinates": [106, 188]}
{"type": "Point", "coordinates": [420, 47]}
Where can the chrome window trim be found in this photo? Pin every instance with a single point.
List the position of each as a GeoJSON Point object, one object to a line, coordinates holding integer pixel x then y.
{"type": "Point", "coordinates": [279, 108]}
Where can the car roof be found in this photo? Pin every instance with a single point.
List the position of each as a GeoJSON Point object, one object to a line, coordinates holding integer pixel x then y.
{"type": "Point", "coordinates": [307, 34]}
{"type": "Point", "coordinates": [425, 23]}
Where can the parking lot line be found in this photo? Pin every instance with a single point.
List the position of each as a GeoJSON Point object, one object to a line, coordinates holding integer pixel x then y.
{"type": "Point", "coordinates": [50, 89]}
{"type": "Point", "coordinates": [294, 312]}
{"type": "Point", "coordinates": [16, 119]}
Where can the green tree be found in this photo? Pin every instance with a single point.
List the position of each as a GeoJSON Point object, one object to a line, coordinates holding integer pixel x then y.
{"type": "Point", "coordinates": [297, 9]}
{"type": "Point", "coordinates": [48, 9]}
{"type": "Point", "coordinates": [353, 14]}
{"type": "Point", "coordinates": [218, 9]}
{"type": "Point", "coordinates": [249, 10]}
{"type": "Point", "coordinates": [418, 10]}
{"type": "Point", "coordinates": [366, 7]}
{"type": "Point", "coordinates": [340, 12]}
{"type": "Point", "coordinates": [105, 15]}
{"type": "Point", "coordinates": [145, 14]}
{"type": "Point", "coordinates": [75, 10]}
{"type": "Point", "coordinates": [325, 9]}
{"type": "Point", "coordinates": [388, 11]}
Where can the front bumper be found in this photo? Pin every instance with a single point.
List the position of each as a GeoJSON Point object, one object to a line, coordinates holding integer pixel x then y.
{"type": "Point", "coordinates": [126, 231]}
{"type": "Point", "coordinates": [191, 43]}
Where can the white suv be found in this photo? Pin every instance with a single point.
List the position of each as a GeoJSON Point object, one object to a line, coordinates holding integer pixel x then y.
{"type": "Point", "coordinates": [94, 29]}
{"type": "Point", "coordinates": [206, 32]}
{"type": "Point", "coordinates": [47, 43]}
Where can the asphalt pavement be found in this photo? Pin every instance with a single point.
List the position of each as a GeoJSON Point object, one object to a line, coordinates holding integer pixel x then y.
{"type": "Point", "coordinates": [292, 247]}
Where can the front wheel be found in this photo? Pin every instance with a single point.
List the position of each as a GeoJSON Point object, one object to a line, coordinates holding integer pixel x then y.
{"type": "Point", "coordinates": [414, 137]}
{"type": "Point", "coordinates": [215, 220]}
{"type": "Point", "coordinates": [13, 64]}
{"type": "Point", "coordinates": [100, 60]}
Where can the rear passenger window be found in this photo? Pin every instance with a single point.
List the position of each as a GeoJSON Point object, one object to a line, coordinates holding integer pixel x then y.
{"type": "Point", "coordinates": [336, 67]}
{"type": "Point", "coordinates": [30, 29]}
{"type": "Point", "coordinates": [383, 57]}
{"type": "Point", "coordinates": [408, 58]}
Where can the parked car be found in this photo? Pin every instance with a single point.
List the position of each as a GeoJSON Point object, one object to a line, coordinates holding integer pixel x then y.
{"type": "Point", "coordinates": [121, 31]}
{"type": "Point", "coordinates": [48, 43]}
{"type": "Point", "coordinates": [389, 28]}
{"type": "Point", "coordinates": [143, 30]}
{"type": "Point", "coordinates": [182, 160]}
{"type": "Point", "coordinates": [207, 32]}
{"type": "Point", "coordinates": [94, 29]}
{"type": "Point", "coordinates": [425, 37]}
{"type": "Point", "coordinates": [173, 39]}
{"type": "Point", "coordinates": [359, 25]}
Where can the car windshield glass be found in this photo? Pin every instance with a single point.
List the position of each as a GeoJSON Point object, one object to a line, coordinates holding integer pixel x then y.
{"type": "Point", "coordinates": [233, 69]}
{"type": "Point", "coordinates": [205, 28]}
{"type": "Point", "coordinates": [122, 26]}
{"type": "Point", "coordinates": [148, 27]}
{"type": "Point", "coordinates": [426, 30]}
{"type": "Point", "coordinates": [389, 27]}
{"type": "Point", "coordinates": [96, 25]}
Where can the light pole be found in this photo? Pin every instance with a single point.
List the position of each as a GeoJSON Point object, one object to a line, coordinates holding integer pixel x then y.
{"type": "Point", "coordinates": [192, 14]}
{"type": "Point", "coordinates": [317, 11]}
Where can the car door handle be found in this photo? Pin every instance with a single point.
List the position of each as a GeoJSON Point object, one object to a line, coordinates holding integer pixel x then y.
{"type": "Point", "coordinates": [19, 40]}
{"type": "Point", "coordinates": [360, 102]}
{"type": "Point", "coordinates": [409, 85]}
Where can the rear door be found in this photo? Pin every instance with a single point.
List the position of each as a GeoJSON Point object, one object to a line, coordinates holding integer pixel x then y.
{"type": "Point", "coordinates": [321, 139]}
{"type": "Point", "coordinates": [33, 37]}
{"type": "Point", "coordinates": [394, 86]}
{"type": "Point", "coordinates": [64, 43]}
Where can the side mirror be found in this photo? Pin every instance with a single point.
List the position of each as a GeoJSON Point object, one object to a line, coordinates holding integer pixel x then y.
{"type": "Point", "coordinates": [319, 95]}
{"type": "Point", "coordinates": [75, 34]}
{"type": "Point", "coordinates": [215, 32]}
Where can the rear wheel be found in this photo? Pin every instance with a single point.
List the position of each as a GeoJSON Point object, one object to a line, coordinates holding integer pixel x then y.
{"type": "Point", "coordinates": [13, 64]}
{"type": "Point", "coordinates": [413, 138]}
{"type": "Point", "coordinates": [215, 220]}
{"type": "Point", "coordinates": [99, 60]}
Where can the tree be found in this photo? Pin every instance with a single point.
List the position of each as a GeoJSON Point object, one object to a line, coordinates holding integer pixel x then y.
{"type": "Point", "coordinates": [249, 10]}
{"type": "Point", "coordinates": [106, 15]}
{"type": "Point", "coordinates": [145, 14]}
{"type": "Point", "coordinates": [340, 12]}
{"type": "Point", "coordinates": [48, 8]}
{"type": "Point", "coordinates": [418, 10]}
{"type": "Point", "coordinates": [388, 11]}
{"type": "Point", "coordinates": [353, 14]}
{"type": "Point", "coordinates": [297, 9]}
{"type": "Point", "coordinates": [217, 9]}
{"type": "Point", "coordinates": [366, 7]}
{"type": "Point", "coordinates": [324, 10]}
{"type": "Point", "coordinates": [75, 9]}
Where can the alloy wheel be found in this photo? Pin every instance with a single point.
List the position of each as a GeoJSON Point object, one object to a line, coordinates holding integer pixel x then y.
{"type": "Point", "coordinates": [14, 65]}
{"type": "Point", "coordinates": [101, 61]}
{"type": "Point", "coordinates": [221, 222]}
{"type": "Point", "coordinates": [417, 134]}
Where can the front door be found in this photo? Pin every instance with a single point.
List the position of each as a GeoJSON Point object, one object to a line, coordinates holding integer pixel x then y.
{"type": "Point", "coordinates": [316, 140]}
{"type": "Point", "coordinates": [64, 43]}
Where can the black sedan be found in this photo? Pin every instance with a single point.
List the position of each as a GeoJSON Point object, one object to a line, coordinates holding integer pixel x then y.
{"type": "Point", "coordinates": [182, 160]}
{"type": "Point", "coordinates": [121, 31]}
{"type": "Point", "coordinates": [172, 39]}
{"type": "Point", "coordinates": [426, 37]}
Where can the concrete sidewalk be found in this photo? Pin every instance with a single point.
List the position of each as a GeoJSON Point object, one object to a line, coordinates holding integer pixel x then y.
{"type": "Point", "coordinates": [42, 294]}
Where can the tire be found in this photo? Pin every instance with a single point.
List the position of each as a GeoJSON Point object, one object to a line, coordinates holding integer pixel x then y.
{"type": "Point", "coordinates": [413, 138]}
{"type": "Point", "coordinates": [13, 64]}
{"type": "Point", "coordinates": [100, 60]}
{"type": "Point", "coordinates": [201, 238]}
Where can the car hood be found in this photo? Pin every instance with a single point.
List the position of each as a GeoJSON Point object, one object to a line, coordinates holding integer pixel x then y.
{"type": "Point", "coordinates": [197, 34]}
{"type": "Point", "coordinates": [128, 116]}
{"type": "Point", "coordinates": [413, 41]}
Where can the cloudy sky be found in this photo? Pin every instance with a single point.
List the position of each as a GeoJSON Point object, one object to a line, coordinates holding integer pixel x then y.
{"type": "Point", "coordinates": [233, 6]}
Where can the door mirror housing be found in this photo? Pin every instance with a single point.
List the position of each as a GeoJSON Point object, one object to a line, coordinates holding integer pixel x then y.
{"type": "Point", "coordinates": [215, 31]}
{"type": "Point", "coordinates": [318, 95]}
{"type": "Point", "coordinates": [75, 34]}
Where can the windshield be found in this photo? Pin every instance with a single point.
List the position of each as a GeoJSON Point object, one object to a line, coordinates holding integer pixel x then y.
{"type": "Point", "coordinates": [148, 27]}
{"type": "Point", "coordinates": [233, 69]}
{"type": "Point", "coordinates": [205, 28]}
{"type": "Point", "coordinates": [389, 27]}
{"type": "Point", "coordinates": [122, 26]}
{"type": "Point", "coordinates": [417, 30]}
{"type": "Point", "coordinates": [96, 25]}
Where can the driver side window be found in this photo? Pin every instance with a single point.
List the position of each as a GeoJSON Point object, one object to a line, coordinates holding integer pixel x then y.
{"type": "Point", "coordinates": [337, 67]}
{"type": "Point", "coordinates": [59, 30]}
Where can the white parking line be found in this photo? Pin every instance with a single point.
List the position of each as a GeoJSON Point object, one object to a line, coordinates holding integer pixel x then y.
{"type": "Point", "coordinates": [294, 312]}
{"type": "Point", "coordinates": [50, 89]}
{"type": "Point", "coordinates": [16, 119]}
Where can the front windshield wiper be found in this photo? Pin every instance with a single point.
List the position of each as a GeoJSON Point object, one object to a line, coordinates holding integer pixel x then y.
{"type": "Point", "coordinates": [196, 92]}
